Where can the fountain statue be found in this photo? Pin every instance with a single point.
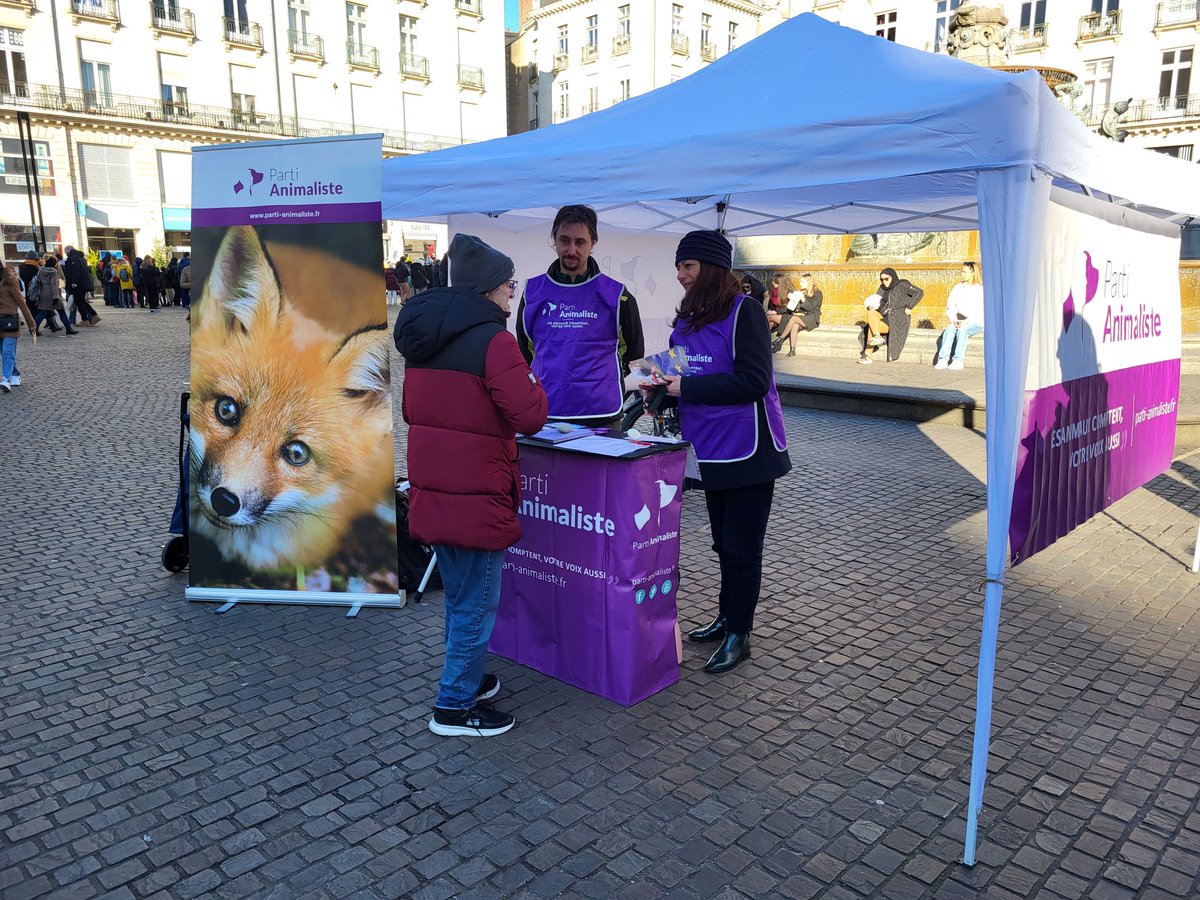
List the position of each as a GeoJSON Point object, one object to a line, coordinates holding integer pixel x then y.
{"type": "Point", "coordinates": [977, 35]}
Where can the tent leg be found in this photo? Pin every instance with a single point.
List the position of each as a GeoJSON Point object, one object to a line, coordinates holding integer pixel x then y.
{"type": "Point", "coordinates": [983, 714]}
{"type": "Point", "coordinates": [1196, 555]}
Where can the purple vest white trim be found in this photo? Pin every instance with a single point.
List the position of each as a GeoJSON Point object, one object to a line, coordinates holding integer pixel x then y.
{"type": "Point", "coordinates": [723, 433]}
{"type": "Point", "coordinates": [575, 331]}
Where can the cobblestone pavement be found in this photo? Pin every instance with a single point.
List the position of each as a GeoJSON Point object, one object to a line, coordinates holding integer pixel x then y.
{"type": "Point", "coordinates": [150, 746]}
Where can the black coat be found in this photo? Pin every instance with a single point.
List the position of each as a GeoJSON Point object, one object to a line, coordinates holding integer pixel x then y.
{"type": "Point", "coordinates": [893, 302]}
{"type": "Point", "coordinates": [79, 276]}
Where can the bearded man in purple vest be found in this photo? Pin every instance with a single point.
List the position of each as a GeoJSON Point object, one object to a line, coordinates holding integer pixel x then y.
{"type": "Point", "coordinates": [579, 329]}
{"type": "Point", "coordinates": [729, 410]}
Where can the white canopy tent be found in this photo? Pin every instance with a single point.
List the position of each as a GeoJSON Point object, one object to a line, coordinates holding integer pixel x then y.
{"type": "Point", "coordinates": [852, 135]}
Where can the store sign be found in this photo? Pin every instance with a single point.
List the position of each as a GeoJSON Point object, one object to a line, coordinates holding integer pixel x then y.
{"type": "Point", "coordinates": [12, 168]}
{"type": "Point", "coordinates": [177, 218]}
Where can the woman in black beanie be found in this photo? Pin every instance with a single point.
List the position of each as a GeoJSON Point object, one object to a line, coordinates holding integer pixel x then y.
{"type": "Point", "coordinates": [729, 410]}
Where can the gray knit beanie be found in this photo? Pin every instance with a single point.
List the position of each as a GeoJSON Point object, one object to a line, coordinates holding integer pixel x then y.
{"type": "Point", "coordinates": [474, 266]}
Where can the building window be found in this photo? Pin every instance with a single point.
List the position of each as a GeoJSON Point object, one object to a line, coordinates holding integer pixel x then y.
{"type": "Point", "coordinates": [885, 26]}
{"type": "Point", "coordinates": [564, 101]}
{"type": "Point", "coordinates": [172, 79]}
{"type": "Point", "coordinates": [12, 63]}
{"type": "Point", "coordinates": [105, 172]}
{"type": "Point", "coordinates": [676, 18]}
{"type": "Point", "coordinates": [705, 27]}
{"type": "Point", "coordinates": [1102, 7]}
{"type": "Point", "coordinates": [356, 24]}
{"type": "Point", "coordinates": [593, 32]}
{"type": "Point", "coordinates": [408, 37]}
{"type": "Point", "coordinates": [298, 17]}
{"type": "Point", "coordinates": [941, 24]}
{"type": "Point", "coordinates": [625, 89]}
{"type": "Point", "coordinates": [1033, 15]}
{"type": "Point", "coordinates": [97, 82]}
{"type": "Point", "coordinates": [1097, 84]}
{"type": "Point", "coordinates": [1181, 151]}
{"type": "Point", "coordinates": [732, 37]}
{"type": "Point", "coordinates": [1176, 79]}
{"type": "Point", "coordinates": [238, 20]}
{"type": "Point", "coordinates": [564, 45]}
{"type": "Point", "coordinates": [623, 21]}
{"type": "Point", "coordinates": [243, 109]}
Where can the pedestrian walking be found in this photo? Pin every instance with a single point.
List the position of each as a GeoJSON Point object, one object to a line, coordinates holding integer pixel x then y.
{"type": "Point", "coordinates": [151, 282]}
{"type": "Point", "coordinates": [467, 394]}
{"type": "Point", "coordinates": [79, 285]}
{"type": "Point", "coordinates": [964, 309]}
{"type": "Point", "coordinates": [171, 282]}
{"type": "Point", "coordinates": [13, 308]}
{"type": "Point", "coordinates": [887, 325]}
{"type": "Point", "coordinates": [28, 271]}
{"type": "Point", "coordinates": [577, 327]}
{"type": "Point", "coordinates": [185, 280]}
{"type": "Point", "coordinates": [729, 410]}
{"type": "Point", "coordinates": [46, 292]}
{"type": "Point", "coordinates": [139, 296]}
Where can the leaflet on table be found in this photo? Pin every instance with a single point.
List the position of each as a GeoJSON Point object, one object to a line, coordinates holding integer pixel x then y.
{"type": "Point", "coordinates": [604, 446]}
{"type": "Point", "coordinates": [673, 361]}
{"type": "Point", "coordinates": [557, 432]}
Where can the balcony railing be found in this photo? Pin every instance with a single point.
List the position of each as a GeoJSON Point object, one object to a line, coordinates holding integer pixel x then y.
{"type": "Point", "coordinates": [28, 6]}
{"type": "Point", "coordinates": [1034, 38]}
{"type": "Point", "coordinates": [561, 116]}
{"type": "Point", "coordinates": [170, 19]}
{"type": "Point", "coordinates": [1177, 12]}
{"type": "Point", "coordinates": [301, 43]}
{"type": "Point", "coordinates": [470, 77]}
{"type": "Point", "coordinates": [1162, 108]}
{"type": "Point", "coordinates": [620, 44]}
{"type": "Point", "coordinates": [590, 53]}
{"type": "Point", "coordinates": [362, 56]}
{"type": "Point", "coordinates": [100, 10]}
{"type": "Point", "coordinates": [1096, 26]}
{"type": "Point", "coordinates": [178, 116]}
{"type": "Point", "coordinates": [679, 44]}
{"type": "Point", "coordinates": [589, 108]}
{"type": "Point", "coordinates": [532, 71]}
{"type": "Point", "coordinates": [471, 7]}
{"type": "Point", "coordinates": [413, 66]}
{"type": "Point", "coordinates": [561, 61]}
{"type": "Point", "coordinates": [533, 124]}
{"type": "Point", "coordinates": [244, 34]}
{"type": "Point", "coordinates": [708, 51]}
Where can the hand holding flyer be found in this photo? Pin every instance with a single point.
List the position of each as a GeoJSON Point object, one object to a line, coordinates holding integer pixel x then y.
{"type": "Point", "coordinates": [652, 369]}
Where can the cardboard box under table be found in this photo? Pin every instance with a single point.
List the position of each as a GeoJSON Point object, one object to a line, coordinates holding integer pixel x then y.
{"type": "Point", "coordinates": [588, 594]}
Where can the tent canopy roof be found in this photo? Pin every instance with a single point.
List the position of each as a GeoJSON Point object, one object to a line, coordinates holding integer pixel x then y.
{"type": "Point", "coordinates": [854, 134]}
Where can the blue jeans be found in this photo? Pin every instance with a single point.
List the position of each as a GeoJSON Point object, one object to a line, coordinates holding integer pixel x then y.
{"type": "Point", "coordinates": [957, 338]}
{"type": "Point", "coordinates": [8, 353]}
{"type": "Point", "coordinates": [127, 297]}
{"type": "Point", "coordinates": [472, 582]}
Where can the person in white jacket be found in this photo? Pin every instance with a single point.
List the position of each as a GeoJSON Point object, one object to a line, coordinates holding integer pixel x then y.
{"type": "Point", "coordinates": [964, 309]}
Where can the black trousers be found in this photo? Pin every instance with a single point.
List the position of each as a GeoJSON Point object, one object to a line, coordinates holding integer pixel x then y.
{"type": "Point", "coordinates": [738, 518]}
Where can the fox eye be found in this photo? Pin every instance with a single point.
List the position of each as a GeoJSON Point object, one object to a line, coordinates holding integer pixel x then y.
{"type": "Point", "coordinates": [296, 453]}
{"type": "Point", "coordinates": [227, 410]}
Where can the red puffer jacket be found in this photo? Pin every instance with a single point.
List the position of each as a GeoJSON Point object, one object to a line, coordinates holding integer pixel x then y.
{"type": "Point", "coordinates": [467, 393]}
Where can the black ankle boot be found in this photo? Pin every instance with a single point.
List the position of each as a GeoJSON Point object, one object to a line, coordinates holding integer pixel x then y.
{"type": "Point", "coordinates": [714, 631]}
{"type": "Point", "coordinates": [776, 345]}
{"type": "Point", "coordinates": [792, 352]}
{"type": "Point", "coordinates": [732, 651]}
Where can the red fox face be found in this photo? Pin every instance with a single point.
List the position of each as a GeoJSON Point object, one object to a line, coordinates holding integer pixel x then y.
{"type": "Point", "coordinates": [291, 424]}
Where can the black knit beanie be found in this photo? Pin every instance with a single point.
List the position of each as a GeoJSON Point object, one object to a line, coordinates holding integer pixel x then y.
{"type": "Point", "coordinates": [705, 246]}
{"type": "Point", "coordinates": [477, 267]}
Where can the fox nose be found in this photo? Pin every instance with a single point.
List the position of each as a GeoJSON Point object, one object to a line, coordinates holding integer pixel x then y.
{"type": "Point", "coordinates": [225, 503]}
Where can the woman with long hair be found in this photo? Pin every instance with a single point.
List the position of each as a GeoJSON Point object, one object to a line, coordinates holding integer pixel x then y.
{"type": "Point", "coordinates": [803, 313]}
{"type": "Point", "coordinates": [729, 410]}
{"type": "Point", "coordinates": [776, 304]}
{"type": "Point", "coordinates": [964, 309]}
{"type": "Point", "coordinates": [13, 308]}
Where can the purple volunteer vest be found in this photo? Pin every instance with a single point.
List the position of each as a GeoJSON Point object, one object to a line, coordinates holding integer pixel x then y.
{"type": "Point", "coordinates": [574, 329]}
{"type": "Point", "coordinates": [723, 433]}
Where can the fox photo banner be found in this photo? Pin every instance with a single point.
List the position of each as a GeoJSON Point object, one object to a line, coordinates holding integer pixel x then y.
{"type": "Point", "coordinates": [1102, 386]}
{"type": "Point", "coordinates": [291, 488]}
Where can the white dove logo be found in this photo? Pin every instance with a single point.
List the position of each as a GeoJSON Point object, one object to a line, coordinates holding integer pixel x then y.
{"type": "Point", "coordinates": [666, 493]}
{"type": "Point", "coordinates": [641, 517]}
{"type": "Point", "coordinates": [549, 308]}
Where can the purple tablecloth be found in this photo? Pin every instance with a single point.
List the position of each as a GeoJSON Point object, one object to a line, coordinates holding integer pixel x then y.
{"type": "Point", "coordinates": [588, 595]}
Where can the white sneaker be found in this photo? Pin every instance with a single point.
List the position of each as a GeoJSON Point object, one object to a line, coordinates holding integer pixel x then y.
{"type": "Point", "coordinates": [15, 380]}
{"type": "Point", "coordinates": [956, 365]}
{"type": "Point", "coordinates": [865, 360]}
{"type": "Point", "coordinates": [878, 342]}
{"type": "Point", "coordinates": [941, 364]}
{"type": "Point", "coordinates": [4, 385]}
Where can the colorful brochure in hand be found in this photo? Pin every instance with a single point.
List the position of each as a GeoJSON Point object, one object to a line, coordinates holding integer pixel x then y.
{"type": "Point", "coordinates": [672, 361]}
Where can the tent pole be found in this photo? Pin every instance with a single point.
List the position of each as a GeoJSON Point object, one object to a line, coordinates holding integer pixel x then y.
{"type": "Point", "coordinates": [1196, 555]}
{"type": "Point", "coordinates": [983, 711]}
{"type": "Point", "coordinates": [722, 209]}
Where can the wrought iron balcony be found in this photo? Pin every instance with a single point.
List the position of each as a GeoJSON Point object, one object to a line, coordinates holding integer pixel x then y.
{"type": "Point", "coordinates": [532, 72]}
{"type": "Point", "coordinates": [620, 44]}
{"type": "Point", "coordinates": [301, 43]}
{"type": "Point", "coordinates": [179, 117]}
{"type": "Point", "coordinates": [561, 61]}
{"type": "Point", "coordinates": [169, 18]}
{"type": "Point", "coordinates": [1034, 38]}
{"type": "Point", "coordinates": [470, 77]}
{"type": "Point", "coordinates": [413, 66]}
{"type": "Point", "coordinates": [561, 116]}
{"type": "Point", "coordinates": [1097, 26]}
{"type": "Point", "coordinates": [708, 51]}
{"type": "Point", "coordinates": [1183, 106]}
{"type": "Point", "coordinates": [589, 108]}
{"type": "Point", "coordinates": [470, 7]}
{"type": "Point", "coordinates": [679, 43]}
{"type": "Point", "coordinates": [589, 53]}
{"type": "Point", "coordinates": [1174, 13]}
{"type": "Point", "coordinates": [108, 11]}
{"type": "Point", "coordinates": [362, 56]}
{"type": "Point", "coordinates": [243, 34]}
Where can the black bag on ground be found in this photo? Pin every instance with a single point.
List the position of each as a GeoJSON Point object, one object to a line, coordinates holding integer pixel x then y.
{"type": "Point", "coordinates": [412, 557]}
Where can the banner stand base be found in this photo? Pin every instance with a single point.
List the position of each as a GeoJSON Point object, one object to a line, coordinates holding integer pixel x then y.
{"type": "Point", "coordinates": [231, 597]}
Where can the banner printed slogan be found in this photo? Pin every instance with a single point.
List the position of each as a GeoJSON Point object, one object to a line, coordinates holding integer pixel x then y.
{"type": "Point", "coordinates": [1102, 386]}
{"type": "Point", "coordinates": [291, 484]}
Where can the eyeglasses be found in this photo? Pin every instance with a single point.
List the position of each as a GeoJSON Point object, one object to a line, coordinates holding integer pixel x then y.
{"type": "Point", "coordinates": [512, 286]}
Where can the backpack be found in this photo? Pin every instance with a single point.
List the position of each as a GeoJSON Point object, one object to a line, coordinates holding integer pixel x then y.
{"type": "Point", "coordinates": [412, 557]}
{"type": "Point", "coordinates": [34, 292]}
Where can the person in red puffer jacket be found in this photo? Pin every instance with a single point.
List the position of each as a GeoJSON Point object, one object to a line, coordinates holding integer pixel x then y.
{"type": "Point", "coordinates": [467, 393]}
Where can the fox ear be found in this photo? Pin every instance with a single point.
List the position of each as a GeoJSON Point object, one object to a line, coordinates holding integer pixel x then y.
{"type": "Point", "coordinates": [243, 283]}
{"type": "Point", "coordinates": [370, 364]}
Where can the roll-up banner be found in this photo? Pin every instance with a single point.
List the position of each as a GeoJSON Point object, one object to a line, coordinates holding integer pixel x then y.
{"type": "Point", "coordinates": [292, 492]}
{"type": "Point", "coordinates": [1102, 386]}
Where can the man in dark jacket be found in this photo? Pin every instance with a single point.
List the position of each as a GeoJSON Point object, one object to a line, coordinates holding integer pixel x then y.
{"type": "Point", "coordinates": [79, 284]}
{"type": "Point", "coordinates": [467, 393]}
{"type": "Point", "coordinates": [29, 270]}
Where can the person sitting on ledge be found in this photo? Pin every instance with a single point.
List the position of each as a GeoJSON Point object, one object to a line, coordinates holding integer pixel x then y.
{"type": "Point", "coordinates": [775, 305]}
{"type": "Point", "coordinates": [804, 313]}
{"type": "Point", "coordinates": [964, 309]}
{"type": "Point", "coordinates": [887, 324]}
